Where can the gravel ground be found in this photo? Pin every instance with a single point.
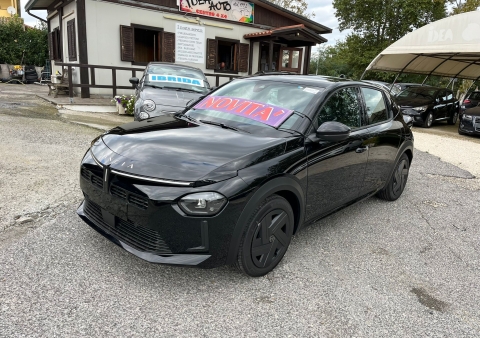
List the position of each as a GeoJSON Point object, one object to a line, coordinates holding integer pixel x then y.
{"type": "Point", "coordinates": [376, 269]}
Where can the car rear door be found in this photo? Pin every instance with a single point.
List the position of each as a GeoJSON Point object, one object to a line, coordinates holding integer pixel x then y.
{"type": "Point", "coordinates": [383, 139]}
{"type": "Point", "coordinates": [336, 169]}
{"type": "Point", "coordinates": [441, 105]}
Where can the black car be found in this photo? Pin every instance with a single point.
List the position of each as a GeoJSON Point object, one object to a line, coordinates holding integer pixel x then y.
{"type": "Point", "coordinates": [391, 89]}
{"type": "Point", "coordinates": [428, 104]}
{"type": "Point", "coordinates": [232, 179]}
{"type": "Point", "coordinates": [166, 88]}
{"type": "Point", "coordinates": [401, 86]}
{"type": "Point", "coordinates": [470, 122]}
{"type": "Point", "coordinates": [471, 100]}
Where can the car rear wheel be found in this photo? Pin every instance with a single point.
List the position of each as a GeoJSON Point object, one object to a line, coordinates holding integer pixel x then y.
{"type": "Point", "coordinates": [428, 120]}
{"type": "Point", "coordinates": [453, 119]}
{"type": "Point", "coordinates": [266, 237]}
{"type": "Point", "coordinates": [394, 188]}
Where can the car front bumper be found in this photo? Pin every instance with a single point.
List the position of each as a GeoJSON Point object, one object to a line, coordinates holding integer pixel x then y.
{"type": "Point", "coordinates": [469, 126]}
{"type": "Point", "coordinates": [145, 219]}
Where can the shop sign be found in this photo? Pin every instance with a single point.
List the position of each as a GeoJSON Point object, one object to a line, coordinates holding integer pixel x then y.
{"type": "Point", "coordinates": [189, 43]}
{"type": "Point", "coordinates": [232, 10]}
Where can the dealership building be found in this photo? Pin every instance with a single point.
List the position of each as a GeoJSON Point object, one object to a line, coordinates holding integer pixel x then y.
{"type": "Point", "coordinates": [223, 38]}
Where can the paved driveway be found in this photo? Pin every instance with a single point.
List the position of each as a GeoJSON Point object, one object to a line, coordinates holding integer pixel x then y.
{"type": "Point", "coordinates": [376, 269]}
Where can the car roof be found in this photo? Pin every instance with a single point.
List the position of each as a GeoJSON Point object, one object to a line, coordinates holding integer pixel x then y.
{"type": "Point", "coordinates": [312, 80]}
{"type": "Point", "coordinates": [173, 65]}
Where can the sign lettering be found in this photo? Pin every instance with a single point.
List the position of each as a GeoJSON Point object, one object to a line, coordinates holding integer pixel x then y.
{"type": "Point", "coordinates": [258, 111]}
{"type": "Point", "coordinates": [176, 79]}
{"type": "Point", "coordinates": [232, 10]}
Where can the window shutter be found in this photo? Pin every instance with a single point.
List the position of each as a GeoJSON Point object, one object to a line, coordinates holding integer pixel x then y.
{"type": "Point", "coordinates": [126, 43]}
{"type": "Point", "coordinates": [168, 47]}
{"type": "Point", "coordinates": [211, 54]}
{"type": "Point", "coordinates": [50, 46]}
{"type": "Point", "coordinates": [72, 44]}
{"type": "Point", "coordinates": [243, 57]}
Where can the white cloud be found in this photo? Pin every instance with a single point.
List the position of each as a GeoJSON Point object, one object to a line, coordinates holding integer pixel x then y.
{"type": "Point", "coordinates": [30, 20]}
{"type": "Point", "coordinates": [325, 15]}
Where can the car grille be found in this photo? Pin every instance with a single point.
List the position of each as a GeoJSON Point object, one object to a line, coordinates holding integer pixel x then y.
{"type": "Point", "coordinates": [94, 179]}
{"type": "Point", "coordinates": [476, 123]}
{"type": "Point", "coordinates": [138, 237]}
{"type": "Point", "coordinates": [138, 201]}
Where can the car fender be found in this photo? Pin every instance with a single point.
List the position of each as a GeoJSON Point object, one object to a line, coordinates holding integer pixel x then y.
{"type": "Point", "coordinates": [268, 188]}
{"type": "Point", "coordinates": [406, 145]}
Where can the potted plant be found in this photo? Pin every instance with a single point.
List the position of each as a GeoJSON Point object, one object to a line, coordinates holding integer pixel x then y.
{"type": "Point", "coordinates": [125, 104]}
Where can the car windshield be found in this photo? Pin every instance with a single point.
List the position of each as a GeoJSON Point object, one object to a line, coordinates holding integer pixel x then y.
{"type": "Point", "coordinates": [167, 76]}
{"type": "Point", "coordinates": [418, 93]}
{"type": "Point", "coordinates": [256, 105]}
{"type": "Point", "coordinates": [475, 96]}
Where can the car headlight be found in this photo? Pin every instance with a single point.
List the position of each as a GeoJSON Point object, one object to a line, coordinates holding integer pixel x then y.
{"type": "Point", "coordinates": [202, 203]}
{"type": "Point", "coordinates": [149, 105]}
{"type": "Point", "coordinates": [143, 115]}
{"type": "Point", "coordinates": [420, 109]}
{"type": "Point", "coordinates": [467, 117]}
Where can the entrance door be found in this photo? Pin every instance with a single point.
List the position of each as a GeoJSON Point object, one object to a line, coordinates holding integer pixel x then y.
{"type": "Point", "coordinates": [291, 59]}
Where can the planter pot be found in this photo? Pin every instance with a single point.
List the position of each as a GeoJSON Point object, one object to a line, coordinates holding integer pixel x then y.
{"type": "Point", "coordinates": [120, 109]}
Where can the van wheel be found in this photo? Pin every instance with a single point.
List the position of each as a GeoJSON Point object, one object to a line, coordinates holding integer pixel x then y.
{"type": "Point", "coordinates": [266, 237]}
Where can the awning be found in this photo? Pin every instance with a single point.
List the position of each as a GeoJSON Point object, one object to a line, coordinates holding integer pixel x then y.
{"type": "Point", "coordinates": [449, 47]}
{"type": "Point", "coordinates": [294, 35]}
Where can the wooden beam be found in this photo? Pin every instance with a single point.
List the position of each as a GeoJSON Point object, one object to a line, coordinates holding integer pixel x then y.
{"type": "Point", "coordinates": [82, 46]}
{"type": "Point", "coordinates": [250, 58]}
{"type": "Point", "coordinates": [270, 55]}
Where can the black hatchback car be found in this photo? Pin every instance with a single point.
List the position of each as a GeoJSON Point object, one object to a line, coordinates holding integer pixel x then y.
{"type": "Point", "coordinates": [470, 122]}
{"type": "Point", "coordinates": [166, 88]}
{"type": "Point", "coordinates": [234, 176]}
{"type": "Point", "coordinates": [472, 100]}
{"type": "Point", "coordinates": [428, 104]}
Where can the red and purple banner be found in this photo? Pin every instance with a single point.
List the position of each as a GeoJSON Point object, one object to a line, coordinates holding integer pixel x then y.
{"type": "Point", "coordinates": [258, 111]}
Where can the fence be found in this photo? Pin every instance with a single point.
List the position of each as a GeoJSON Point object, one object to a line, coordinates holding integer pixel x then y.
{"type": "Point", "coordinates": [92, 83]}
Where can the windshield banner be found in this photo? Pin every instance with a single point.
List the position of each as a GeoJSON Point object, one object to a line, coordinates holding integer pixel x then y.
{"type": "Point", "coordinates": [175, 79]}
{"type": "Point", "coordinates": [262, 112]}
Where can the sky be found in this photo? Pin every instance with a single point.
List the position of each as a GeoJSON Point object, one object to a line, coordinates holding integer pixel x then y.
{"type": "Point", "coordinates": [323, 9]}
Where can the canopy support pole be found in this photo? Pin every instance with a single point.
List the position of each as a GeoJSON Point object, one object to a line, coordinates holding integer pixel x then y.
{"type": "Point", "coordinates": [393, 83]}
{"type": "Point", "coordinates": [361, 77]}
{"type": "Point", "coordinates": [441, 63]}
{"type": "Point", "coordinates": [466, 92]}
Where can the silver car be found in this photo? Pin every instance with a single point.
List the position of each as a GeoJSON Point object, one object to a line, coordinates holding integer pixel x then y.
{"type": "Point", "coordinates": [166, 88]}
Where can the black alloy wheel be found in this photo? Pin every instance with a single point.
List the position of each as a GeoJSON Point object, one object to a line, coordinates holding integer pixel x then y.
{"type": "Point", "coordinates": [267, 237]}
{"type": "Point", "coordinates": [395, 186]}
{"type": "Point", "coordinates": [428, 120]}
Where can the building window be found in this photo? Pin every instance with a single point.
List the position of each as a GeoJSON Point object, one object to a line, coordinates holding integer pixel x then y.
{"type": "Point", "coordinates": [141, 44]}
{"type": "Point", "coordinates": [291, 59]}
{"type": "Point", "coordinates": [72, 40]}
{"type": "Point", "coordinates": [55, 44]}
{"type": "Point", "coordinates": [226, 55]}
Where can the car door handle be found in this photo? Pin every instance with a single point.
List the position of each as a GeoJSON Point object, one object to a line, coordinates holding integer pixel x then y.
{"type": "Point", "coordinates": [361, 149]}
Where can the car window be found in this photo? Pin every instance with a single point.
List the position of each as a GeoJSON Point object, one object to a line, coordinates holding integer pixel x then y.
{"type": "Point", "coordinates": [375, 105]}
{"type": "Point", "coordinates": [418, 93]}
{"type": "Point", "coordinates": [167, 76]}
{"type": "Point", "coordinates": [442, 95]}
{"type": "Point", "coordinates": [475, 96]}
{"type": "Point", "coordinates": [343, 107]}
{"type": "Point", "coordinates": [449, 95]}
{"type": "Point", "coordinates": [255, 105]}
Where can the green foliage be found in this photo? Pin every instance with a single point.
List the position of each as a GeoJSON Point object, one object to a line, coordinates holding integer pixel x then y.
{"type": "Point", "coordinates": [460, 6]}
{"type": "Point", "coordinates": [22, 45]}
{"type": "Point", "coordinates": [295, 6]}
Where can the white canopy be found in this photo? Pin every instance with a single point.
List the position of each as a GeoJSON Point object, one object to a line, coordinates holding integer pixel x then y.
{"type": "Point", "coordinates": [448, 47]}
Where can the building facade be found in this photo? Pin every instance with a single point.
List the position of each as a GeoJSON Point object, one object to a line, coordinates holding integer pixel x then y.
{"type": "Point", "coordinates": [220, 37]}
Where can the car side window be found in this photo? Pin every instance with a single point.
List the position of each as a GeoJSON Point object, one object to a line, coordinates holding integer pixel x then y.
{"type": "Point", "coordinates": [375, 105]}
{"type": "Point", "coordinates": [449, 95]}
{"type": "Point", "coordinates": [343, 106]}
{"type": "Point", "coordinates": [441, 96]}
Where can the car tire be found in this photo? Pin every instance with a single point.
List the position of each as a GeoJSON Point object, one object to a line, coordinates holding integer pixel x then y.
{"type": "Point", "coordinates": [453, 119]}
{"type": "Point", "coordinates": [395, 186]}
{"type": "Point", "coordinates": [428, 121]}
{"type": "Point", "coordinates": [266, 237]}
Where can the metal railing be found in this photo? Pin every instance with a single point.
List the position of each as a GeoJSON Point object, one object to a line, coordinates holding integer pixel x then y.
{"type": "Point", "coordinates": [114, 86]}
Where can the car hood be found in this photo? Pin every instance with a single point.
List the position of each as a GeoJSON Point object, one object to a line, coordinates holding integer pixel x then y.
{"type": "Point", "coordinates": [173, 149]}
{"type": "Point", "coordinates": [168, 97]}
{"type": "Point", "coordinates": [407, 102]}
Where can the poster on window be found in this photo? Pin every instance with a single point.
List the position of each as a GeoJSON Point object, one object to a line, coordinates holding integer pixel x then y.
{"type": "Point", "coordinates": [189, 43]}
{"type": "Point", "coordinates": [232, 10]}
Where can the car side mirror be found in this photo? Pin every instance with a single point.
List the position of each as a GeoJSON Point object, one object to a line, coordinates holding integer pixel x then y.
{"type": "Point", "coordinates": [333, 131]}
{"type": "Point", "coordinates": [134, 81]}
{"type": "Point", "coordinates": [212, 88]}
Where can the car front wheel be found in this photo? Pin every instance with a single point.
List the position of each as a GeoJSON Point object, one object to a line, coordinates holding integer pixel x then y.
{"type": "Point", "coordinates": [428, 121]}
{"type": "Point", "coordinates": [396, 185]}
{"type": "Point", "coordinates": [266, 237]}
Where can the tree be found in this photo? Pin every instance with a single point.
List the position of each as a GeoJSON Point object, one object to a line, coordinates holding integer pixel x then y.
{"type": "Point", "coordinates": [460, 6]}
{"type": "Point", "coordinates": [21, 44]}
{"type": "Point", "coordinates": [295, 6]}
